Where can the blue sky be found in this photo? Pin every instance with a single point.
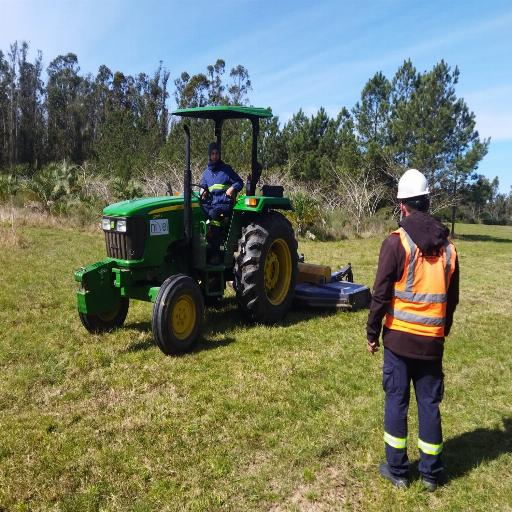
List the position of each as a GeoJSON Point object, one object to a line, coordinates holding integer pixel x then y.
{"type": "Point", "coordinates": [300, 54]}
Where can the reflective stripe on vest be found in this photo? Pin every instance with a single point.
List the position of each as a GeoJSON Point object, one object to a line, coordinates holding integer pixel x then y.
{"type": "Point", "coordinates": [418, 305]}
{"type": "Point", "coordinates": [448, 256]}
{"type": "Point", "coordinates": [412, 260]}
{"type": "Point", "coordinates": [432, 298]}
{"type": "Point", "coordinates": [417, 319]}
{"type": "Point", "coordinates": [395, 442]}
{"type": "Point", "coordinates": [218, 186]}
{"type": "Point", "coordinates": [430, 449]}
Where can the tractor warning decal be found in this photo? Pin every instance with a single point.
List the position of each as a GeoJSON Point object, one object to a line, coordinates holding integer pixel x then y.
{"type": "Point", "coordinates": [158, 227]}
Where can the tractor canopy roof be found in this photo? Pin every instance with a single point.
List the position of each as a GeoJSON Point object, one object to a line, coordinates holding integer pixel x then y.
{"type": "Point", "coordinates": [221, 112]}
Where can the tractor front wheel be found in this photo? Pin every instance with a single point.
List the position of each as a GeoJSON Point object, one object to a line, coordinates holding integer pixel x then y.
{"type": "Point", "coordinates": [266, 268]}
{"type": "Point", "coordinates": [108, 321]}
{"type": "Point", "coordinates": [177, 314]}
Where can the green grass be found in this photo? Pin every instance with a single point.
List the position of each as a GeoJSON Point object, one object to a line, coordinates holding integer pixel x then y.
{"type": "Point", "coordinates": [257, 418]}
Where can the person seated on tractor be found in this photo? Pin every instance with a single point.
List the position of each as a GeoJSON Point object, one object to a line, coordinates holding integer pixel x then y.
{"type": "Point", "coordinates": [220, 184]}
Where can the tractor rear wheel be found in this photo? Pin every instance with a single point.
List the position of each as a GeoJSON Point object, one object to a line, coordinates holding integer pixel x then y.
{"type": "Point", "coordinates": [106, 322]}
{"type": "Point", "coordinates": [266, 268]}
{"type": "Point", "coordinates": [177, 314]}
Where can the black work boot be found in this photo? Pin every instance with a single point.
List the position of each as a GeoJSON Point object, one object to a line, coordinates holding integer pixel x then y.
{"type": "Point", "coordinates": [397, 481]}
{"type": "Point", "coordinates": [429, 485]}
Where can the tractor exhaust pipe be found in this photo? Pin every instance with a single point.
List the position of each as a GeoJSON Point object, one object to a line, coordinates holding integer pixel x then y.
{"type": "Point", "coordinates": [253, 179]}
{"type": "Point", "coordinates": [187, 190]}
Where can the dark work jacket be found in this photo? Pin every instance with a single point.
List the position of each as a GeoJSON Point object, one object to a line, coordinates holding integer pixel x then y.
{"type": "Point", "coordinates": [220, 174]}
{"type": "Point", "coordinates": [429, 235]}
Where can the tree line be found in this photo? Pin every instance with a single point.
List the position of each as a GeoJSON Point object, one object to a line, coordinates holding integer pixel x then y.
{"type": "Point", "coordinates": [120, 126]}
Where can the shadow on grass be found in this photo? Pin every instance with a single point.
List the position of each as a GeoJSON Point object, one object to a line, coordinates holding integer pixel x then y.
{"type": "Point", "coordinates": [215, 321]}
{"type": "Point", "coordinates": [227, 316]}
{"type": "Point", "coordinates": [205, 344]}
{"type": "Point", "coordinates": [202, 345]}
{"type": "Point", "coordinates": [224, 317]}
{"type": "Point", "coordinates": [467, 451]}
{"type": "Point", "coordinates": [140, 345]}
{"type": "Point", "coordinates": [138, 326]}
{"type": "Point", "coordinates": [483, 238]}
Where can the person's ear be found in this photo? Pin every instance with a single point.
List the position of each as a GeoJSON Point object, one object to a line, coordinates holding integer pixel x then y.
{"type": "Point", "coordinates": [403, 211]}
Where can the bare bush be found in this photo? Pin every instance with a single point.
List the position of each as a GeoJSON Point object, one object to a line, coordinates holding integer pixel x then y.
{"type": "Point", "coordinates": [94, 186]}
{"type": "Point", "coordinates": [282, 177]}
{"type": "Point", "coordinates": [360, 195]}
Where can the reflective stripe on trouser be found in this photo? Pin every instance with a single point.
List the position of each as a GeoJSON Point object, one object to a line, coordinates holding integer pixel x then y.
{"type": "Point", "coordinates": [395, 442]}
{"type": "Point", "coordinates": [427, 377]}
{"type": "Point", "coordinates": [430, 449]}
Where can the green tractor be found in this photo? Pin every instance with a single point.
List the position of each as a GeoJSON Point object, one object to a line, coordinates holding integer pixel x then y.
{"type": "Point", "coordinates": [157, 251]}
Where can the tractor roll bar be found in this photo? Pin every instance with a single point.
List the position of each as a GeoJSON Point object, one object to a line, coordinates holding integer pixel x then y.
{"type": "Point", "coordinates": [218, 134]}
{"type": "Point", "coordinates": [187, 190]}
{"type": "Point", "coordinates": [255, 165]}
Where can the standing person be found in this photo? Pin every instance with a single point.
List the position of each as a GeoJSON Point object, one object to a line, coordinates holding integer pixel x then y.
{"type": "Point", "coordinates": [416, 292]}
{"type": "Point", "coordinates": [220, 184]}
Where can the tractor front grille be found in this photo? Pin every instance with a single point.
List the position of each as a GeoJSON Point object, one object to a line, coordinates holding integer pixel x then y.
{"type": "Point", "coordinates": [129, 245]}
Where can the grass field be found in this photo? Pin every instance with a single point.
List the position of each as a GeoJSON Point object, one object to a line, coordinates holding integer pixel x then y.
{"type": "Point", "coordinates": [257, 418]}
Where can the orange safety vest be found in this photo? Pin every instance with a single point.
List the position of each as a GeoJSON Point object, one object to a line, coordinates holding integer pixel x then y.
{"type": "Point", "coordinates": [419, 298]}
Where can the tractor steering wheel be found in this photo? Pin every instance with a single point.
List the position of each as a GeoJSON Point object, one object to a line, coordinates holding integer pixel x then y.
{"type": "Point", "coordinates": [203, 197]}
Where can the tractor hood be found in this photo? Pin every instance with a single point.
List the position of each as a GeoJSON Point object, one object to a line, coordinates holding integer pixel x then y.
{"type": "Point", "coordinates": [147, 206]}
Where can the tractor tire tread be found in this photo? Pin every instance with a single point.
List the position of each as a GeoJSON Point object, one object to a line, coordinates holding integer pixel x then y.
{"type": "Point", "coordinates": [247, 271]}
{"type": "Point", "coordinates": [163, 336]}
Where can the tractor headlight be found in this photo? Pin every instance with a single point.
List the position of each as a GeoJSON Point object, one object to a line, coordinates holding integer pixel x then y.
{"type": "Point", "coordinates": [121, 226]}
{"type": "Point", "coordinates": [105, 224]}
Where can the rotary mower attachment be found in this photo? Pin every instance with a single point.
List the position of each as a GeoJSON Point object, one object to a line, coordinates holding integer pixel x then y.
{"type": "Point", "coordinates": [318, 287]}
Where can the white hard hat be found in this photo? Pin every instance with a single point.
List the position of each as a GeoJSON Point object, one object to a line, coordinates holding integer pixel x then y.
{"type": "Point", "coordinates": [413, 183]}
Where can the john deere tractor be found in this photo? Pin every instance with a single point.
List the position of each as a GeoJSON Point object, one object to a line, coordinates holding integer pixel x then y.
{"type": "Point", "coordinates": [157, 251]}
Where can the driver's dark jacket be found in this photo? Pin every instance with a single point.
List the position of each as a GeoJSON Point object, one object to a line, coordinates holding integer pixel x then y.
{"type": "Point", "coordinates": [217, 178]}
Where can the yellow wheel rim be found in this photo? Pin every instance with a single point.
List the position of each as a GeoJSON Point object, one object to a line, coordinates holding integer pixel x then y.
{"type": "Point", "coordinates": [277, 271]}
{"type": "Point", "coordinates": [183, 317]}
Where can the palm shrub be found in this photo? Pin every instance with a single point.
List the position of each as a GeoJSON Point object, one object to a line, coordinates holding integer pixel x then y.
{"type": "Point", "coordinates": [53, 184]}
{"type": "Point", "coordinates": [307, 214]}
{"type": "Point", "coordinates": [9, 186]}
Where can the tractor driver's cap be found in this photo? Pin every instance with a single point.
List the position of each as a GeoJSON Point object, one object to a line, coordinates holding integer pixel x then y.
{"type": "Point", "coordinates": [213, 146]}
{"type": "Point", "coordinates": [412, 184]}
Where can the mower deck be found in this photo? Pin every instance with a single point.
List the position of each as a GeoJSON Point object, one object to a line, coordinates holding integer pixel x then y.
{"type": "Point", "coordinates": [334, 293]}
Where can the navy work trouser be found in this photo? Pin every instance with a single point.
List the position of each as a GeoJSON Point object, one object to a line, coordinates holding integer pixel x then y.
{"type": "Point", "coordinates": [215, 214]}
{"type": "Point", "coordinates": [216, 211]}
{"type": "Point", "coordinates": [427, 377]}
